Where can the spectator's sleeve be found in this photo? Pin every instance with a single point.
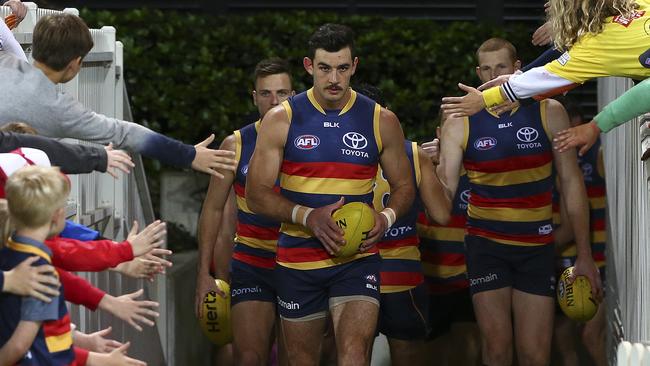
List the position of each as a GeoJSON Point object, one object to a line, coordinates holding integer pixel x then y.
{"type": "Point", "coordinates": [631, 104]}
{"type": "Point", "coordinates": [35, 310]}
{"type": "Point", "coordinates": [93, 256]}
{"type": "Point", "coordinates": [79, 291]}
{"type": "Point", "coordinates": [72, 230]}
{"type": "Point", "coordinates": [71, 158]}
{"type": "Point", "coordinates": [8, 42]}
{"type": "Point", "coordinates": [548, 56]}
{"type": "Point", "coordinates": [70, 118]}
{"type": "Point", "coordinates": [80, 356]}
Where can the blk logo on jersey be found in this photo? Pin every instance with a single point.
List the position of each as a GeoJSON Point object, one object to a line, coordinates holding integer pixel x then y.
{"type": "Point", "coordinates": [528, 136]}
{"type": "Point", "coordinates": [331, 124]}
{"type": "Point", "coordinates": [485, 143]}
{"type": "Point", "coordinates": [306, 142]}
{"type": "Point", "coordinates": [356, 142]}
{"type": "Point", "coordinates": [505, 125]}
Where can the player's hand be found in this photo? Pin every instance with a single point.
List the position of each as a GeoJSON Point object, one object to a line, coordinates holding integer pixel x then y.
{"type": "Point", "coordinates": [583, 136]}
{"type": "Point", "coordinates": [467, 105]}
{"type": "Point", "coordinates": [497, 81]}
{"type": "Point", "coordinates": [117, 160]}
{"type": "Point", "coordinates": [321, 224]}
{"type": "Point", "coordinates": [585, 266]}
{"type": "Point", "coordinates": [432, 150]}
{"type": "Point", "coordinates": [26, 280]}
{"type": "Point", "coordinates": [95, 342]}
{"type": "Point", "coordinates": [377, 232]}
{"type": "Point", "coordinates": [151, 237]}
{"type": "Point", "coordinates": [543, 35]}
{"type": "Point", "coordinates": [18, 9]}
{"type": "Point", "coordinates": [204, 284]}
{"type": "Point", "coordinates": [132, 311]}
{"type": "Point", "coordinates": [211, 161]}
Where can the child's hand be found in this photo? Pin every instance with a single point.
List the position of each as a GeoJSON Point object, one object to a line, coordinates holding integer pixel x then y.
{"type": "Point", "coordinates": [117, 357]}
{"type": "Point", "coordinates": [151, 237]}
{"type": "Point", "coordinates": [133, 311]}
{"type": "Point", "coordinates": [95, 342]}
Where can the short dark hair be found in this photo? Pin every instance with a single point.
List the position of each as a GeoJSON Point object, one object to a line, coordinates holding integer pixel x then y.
{"type": "Point", "coordinates": [371, 92]}
{"type": "Point", "coordinates": [495, 44]}
{"type": "Point", "coordinates": [270, 66]}
{"type": "Point", "coordinates": [332, 38]}
{"type": "Point", "coordinates": [59, 39]}
{"type": "Point", "coordinates": [19, 127]}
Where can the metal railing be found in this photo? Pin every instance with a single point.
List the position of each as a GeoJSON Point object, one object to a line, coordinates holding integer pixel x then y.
{"type": "Point", "coordinates": [628, 251]}
{"type": "Point", "coordinates": [100, 201]}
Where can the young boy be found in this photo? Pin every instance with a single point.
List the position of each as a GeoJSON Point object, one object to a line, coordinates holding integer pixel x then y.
{"type": "Point", "coordinates": [33, 332]}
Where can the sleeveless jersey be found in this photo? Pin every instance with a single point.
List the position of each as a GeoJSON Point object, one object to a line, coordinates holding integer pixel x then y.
{"type": "Point", "coordinates": [327, 155]}
{"type": "Point", "coordinates": [509, 163]}
{"type": "Point", "coordinates": [443, 247]}
{"type": "Point", "coordinates": [257, 236]}
{"type": "Point", "coordinates": [400, 268]}
{"type": "Point", "coordinates": [593, 173]}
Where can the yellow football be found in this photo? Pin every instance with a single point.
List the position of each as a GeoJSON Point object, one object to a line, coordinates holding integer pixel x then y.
{"type": "Point", "coordinates": [215, 322]}
{"type": "Point", "coordinates": [356, 219]}
{"type": "Point", "coordinates": [575, 299]}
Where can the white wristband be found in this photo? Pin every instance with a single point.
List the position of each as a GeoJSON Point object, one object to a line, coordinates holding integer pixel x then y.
{"type": "Point", "coordinates": [294, 213]}
{"type": "Point", "coordinates": [304, 217]}
{"type": "Point", "coordinates": [390, 215]}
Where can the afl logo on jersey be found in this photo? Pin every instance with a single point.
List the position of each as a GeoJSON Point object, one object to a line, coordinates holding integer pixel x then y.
{"type": "Point", "coordinates": [485, 143]}
{"type": "Point", "coordinates": [306, 142]}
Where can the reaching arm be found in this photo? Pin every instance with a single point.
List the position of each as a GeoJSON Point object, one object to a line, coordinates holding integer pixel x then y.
{"type": "Point", "coordinates": [95, 256]}
{"type": "Point", "coordinates": [451, 154]}
{"type": "Point", "coordinates": [19, 343]}
{"type": "Point", "coordinates": [210, 225]}
{"type": "Point", "coordinates": [575, 196]}
{"type": "Point", "coordinates": [432, 192]}
{"type": "Point", "coordinates": [631, 104]}
{"type": "Point", "coordinates": [71, 158]}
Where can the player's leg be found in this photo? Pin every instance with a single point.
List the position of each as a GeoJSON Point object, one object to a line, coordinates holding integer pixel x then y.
{"type": "Point", "coordinates": [403, 319]}
{"type": "Point", "coordinates": [302, 305]}
{"type": "Point", "coordinates": [354, 306]}
{"type": "Point", "coordinates": [493, 315]}
{"type": "Point", "coordinates": [438, 343]}
{"type": "Point", "coordinates": [465, 337]}
{"type": "Point", "coordinates": [564, 340]}
{"type": "Point", "coordinates": [252, 323]}
{"type": "Point", "coordinates": [533, 318]}
{"type": "Point", "coordinates": [533, 303]}
{"type": "Point", "coordinates": [594, 337]}
{"type": "Point", "coordinates": [490, 278]}
{"type": "Point", "coordinates": [355, 324]}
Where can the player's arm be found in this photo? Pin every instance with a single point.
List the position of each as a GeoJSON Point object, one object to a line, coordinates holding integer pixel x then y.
{"type": "Point", "coordinates": [263, 171]}
{"type": "Point", "coordinates": [209, 228]}
{"type": "Point", "coordinates": [432, 192]}
{"type": "Point", "coordinates": [575, 196]}
{"type": "Point", "coordinates": [396, 167]}
{"type": "Point", "coordinates": [19, 343]}
{"type": "Point", "coordinates": [451, 154]}
{"type": "Point", "coordinates": [563, 234]}
{"type": "Point", "coordinates": [225, 240]}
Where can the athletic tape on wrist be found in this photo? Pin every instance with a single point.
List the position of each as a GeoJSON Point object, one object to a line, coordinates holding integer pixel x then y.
{"type": "Point", "coordinates": [389, 213]}
{"type": "Point", "coordinates": [492, 97]}
{"type": "Point", "coordinates": [304, 218]}
{"type": "Point", "coordinates": [294, 214]}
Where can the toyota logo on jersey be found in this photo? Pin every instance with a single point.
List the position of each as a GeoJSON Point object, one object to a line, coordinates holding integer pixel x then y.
{"type": "Point", "coordinates": [306, 142]}
{"type": "Point", "coordinates": [355, 140]}
{"type": "Point", "coordinates": [527, 134]}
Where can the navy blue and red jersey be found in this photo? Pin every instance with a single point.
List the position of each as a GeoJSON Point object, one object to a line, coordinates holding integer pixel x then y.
{"type": "Point", "coordinates": [257, 236]}
{"type": "Point", "coordinates": [443, 246]}
{"type": "Point", "coordinates": [401, 269]}
{"type": "Point", "coordinates": [53, 342]}
{"type": "Point", "coordinates": [509, 161]}
{"type": "Point", "coordinates": [328, 154]}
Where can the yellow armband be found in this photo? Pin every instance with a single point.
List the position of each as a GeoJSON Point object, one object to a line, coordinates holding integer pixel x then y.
{"type": "Point", "coordinates": [492, 97]}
